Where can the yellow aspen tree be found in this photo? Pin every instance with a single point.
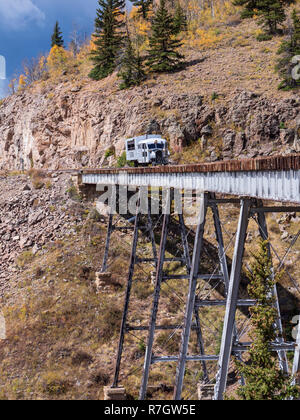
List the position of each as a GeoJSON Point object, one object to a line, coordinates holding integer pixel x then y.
{"type": "Point", "coordinates": [57, 60]}
{"type": "Point", "coordinates": [22, 82]}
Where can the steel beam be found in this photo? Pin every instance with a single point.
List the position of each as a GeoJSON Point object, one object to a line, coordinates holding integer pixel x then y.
{"type": "Point", "coordinates": [191, 298]}
{"type": "Point", "coordinates": [204, 358]}
{"type": "Point", "coordinates": [200, 342]}
{"type": "Point", "coordinates": [148, 260]}
{"type": "Point", "coordinates": [157, 327]}
{"type": "Point", "coordinates": [152, 236]}
{"type": "Point", "coordinates": [185, 244]}
{"type": "Point", "coordinates": [239, 348]}
{"type": "Point", "coordinates": [268, 184]}
{"type": "Point", "coordinates": [107, 243]}
{"type": "Point", "coordinates": [207, 277]}
{"type": "Point", "coordinates": [156, 298]}
{"type": "Point", "coordinates": [280, 209]}
{"type": "Point", "coordinates": [240, 303]}
{"type": "Point", "coordinates": [222, 256]}
{"type": "Point", "coordinates": [221, 248]}
{"type": "Point", "coordinates": [215, 200]}
{"type": "Point", "coordinates": [196, 312]}
{"type": "Point", "coordinates": [229, 321]}
{"type": "Point", "coordinates": [127, 296]}
{"type": "Point", "coordinates": [242, 347]}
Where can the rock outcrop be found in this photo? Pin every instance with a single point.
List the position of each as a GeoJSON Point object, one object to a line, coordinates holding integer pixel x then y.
{"type": "Point", "coordinates": [31, 218]}
{"type": "Point", "coordinates": [73, 128]}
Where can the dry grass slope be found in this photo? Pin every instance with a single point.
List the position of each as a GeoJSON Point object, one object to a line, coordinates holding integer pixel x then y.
{"type": "Point", "coordinates": [62, 333]}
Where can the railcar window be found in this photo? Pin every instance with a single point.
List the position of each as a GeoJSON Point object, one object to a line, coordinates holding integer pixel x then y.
{"type": "Point", "coordinates": [131, 145]}
{"type": "Point", "coordinates": [156, 146]}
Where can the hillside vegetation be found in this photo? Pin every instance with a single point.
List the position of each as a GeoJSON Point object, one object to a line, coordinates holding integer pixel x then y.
{"type": "Point", "coordinates": [223, 103]}
{"type": "Point", "coordinates": [62, 327]}
{"type": "Point", "coordinates": [227, 91]}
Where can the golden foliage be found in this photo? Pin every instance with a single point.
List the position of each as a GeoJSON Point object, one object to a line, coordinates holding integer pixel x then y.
{"type": "Point", "coordinates": [91, 45]}
{"type": "Point", "coordinates": [42, 62]}
{"type": "Point", "coordinates": [22, 82]}
{"type": "Point", "coordinates": [139, 28]}
{"type": "Point", "coordinates": [202, 18]}
{"type": "Point", "coordinates": [216, 11]}
{"type": "Point", "coordinates": [202, 39]}
{"type": "Point", "coordinates": [12, 85]}
{"type": "Point", "coordinates": [58, 60]}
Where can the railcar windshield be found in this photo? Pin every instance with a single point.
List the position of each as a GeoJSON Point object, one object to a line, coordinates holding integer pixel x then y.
{"type": "Point", "coordinates": [156, 146]}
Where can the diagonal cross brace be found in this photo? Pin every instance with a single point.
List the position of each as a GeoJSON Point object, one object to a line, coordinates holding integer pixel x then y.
{"type": "Point", "coordinates": [196, 309]}
{"type": "Point", "coordinates": [231, 306]}
{"type": "Point", "coordinates": [191, 298]}
{"type": "Point", "coordinates": [156, 298]}
{"type": "Point", "coordinates": [127, 296]}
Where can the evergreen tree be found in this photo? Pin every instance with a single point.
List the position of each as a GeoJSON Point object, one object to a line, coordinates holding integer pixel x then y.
{"type": "Point", "coordinates": [162, 54]}
{"type": "Point", "coordinates": [180, 20]}
{"type": "Point", "coordinates": [57, 38]}
{"type": "Point", "coordinates": [107, 37]}
{"type": "Point", "coordinates": [289, 49]}
{"type": "Point", "coordinates": [132, 72]}
{"type": "Point", "coordinates": [250, 7]}
{"type": "Point", "coordinates": [272, 14]}
{"type": "Point", "coordinates": [264, 379]}
{"type": "Point", "coordinates": [144, 7]}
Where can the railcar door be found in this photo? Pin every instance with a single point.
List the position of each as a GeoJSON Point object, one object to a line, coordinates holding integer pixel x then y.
{"type": "Point", "coordinates": [140, 153]}
{"type": "Point", "coordinates": [145, 153]}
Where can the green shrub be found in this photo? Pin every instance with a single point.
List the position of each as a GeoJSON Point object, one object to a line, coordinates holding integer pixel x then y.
{"type": "Point", "coordinates": [264, 379]}
{"type": "Point", "coordinates": [82, 358]}
{"type": "Point", "coordinates": [24, 259]}
{"type": "Point", "coordinates": [110, 321]}
{"type": "Point", "coordinates": [143, 290]}
{"type": "Point", "coordinates": [100, 378]}
{"type": "Point", "coordinates": [264, 37]}
{"type": "Point", "coordinates": [282, 125]}
{"type": "Point", "coordinates": [109, 152]}
{"type": "Point", "coordinates": [54, 384]}
{"type": "Point", "coordinates": [122, 161]}
{"type": "Point", "coordinates": [214, 96]}
{"type": "Point", "coordinates": [73, 193]}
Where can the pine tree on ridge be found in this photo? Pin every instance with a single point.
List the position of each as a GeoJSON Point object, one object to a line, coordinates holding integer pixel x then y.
{"type": "Point", "coordinates": [144, 7]}
{"type": "Point", "coordinates": [108, 37]}
{"type": "Point", "coordinates": [132, 72]}
{"type": "Point", "coordinates": [57, 38]}
{"type": "Point", "coordinates": [272, 13]}
{"type": "Point", "coordinates": [180, 20]}
{"type": "Point", "coordinates": [163, 45]}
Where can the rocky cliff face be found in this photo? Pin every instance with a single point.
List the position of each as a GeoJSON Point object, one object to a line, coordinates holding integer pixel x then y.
{"type": "Point", "coordinates": [31, 218]}
{"type": "Point", "coordinates": [72, 128]}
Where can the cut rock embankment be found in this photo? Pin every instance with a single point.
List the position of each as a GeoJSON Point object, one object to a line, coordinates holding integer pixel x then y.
{"type": "Point", "coordinates": [32, 218]}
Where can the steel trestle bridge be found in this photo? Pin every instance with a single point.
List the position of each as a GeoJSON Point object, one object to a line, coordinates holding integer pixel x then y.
{"type": "Point", "coordinates": [250, 182]}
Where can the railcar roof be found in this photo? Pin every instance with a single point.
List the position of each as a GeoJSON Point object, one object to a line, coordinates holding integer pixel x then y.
{"type": "Point", "coordinates": [146, 137]}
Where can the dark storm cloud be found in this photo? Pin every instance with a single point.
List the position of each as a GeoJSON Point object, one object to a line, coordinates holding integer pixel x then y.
{"type": "Point", "coordinates": [26, 26]}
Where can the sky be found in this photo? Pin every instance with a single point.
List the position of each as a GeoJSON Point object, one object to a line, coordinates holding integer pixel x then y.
{"type": "Point", "coordinates": [26, 27]}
